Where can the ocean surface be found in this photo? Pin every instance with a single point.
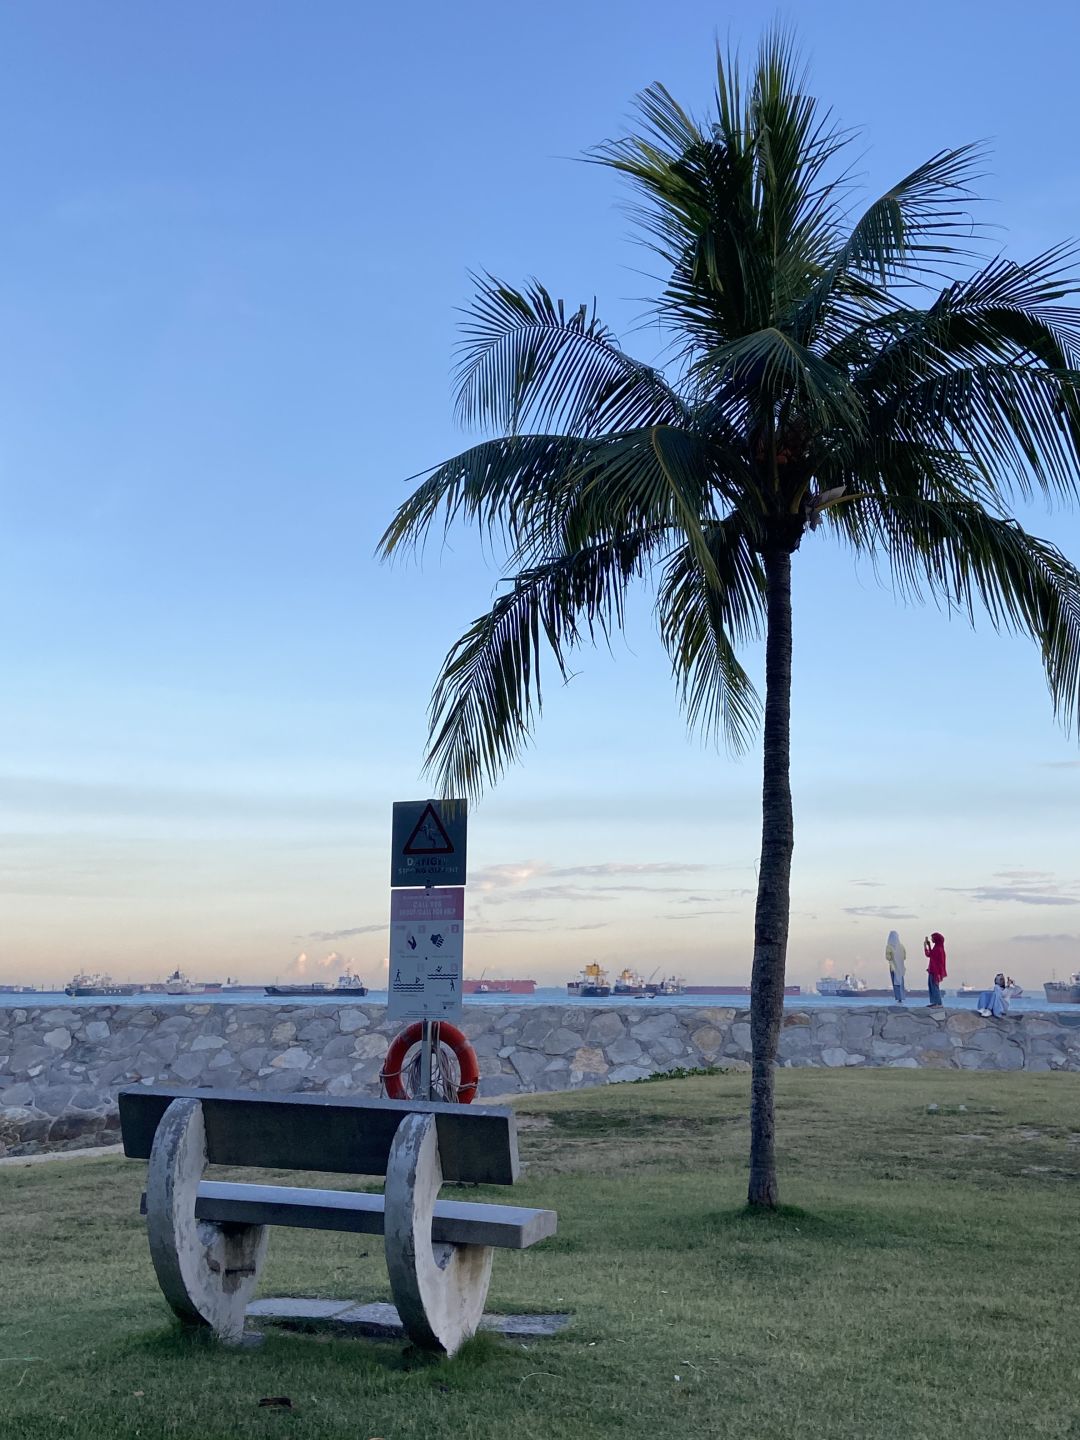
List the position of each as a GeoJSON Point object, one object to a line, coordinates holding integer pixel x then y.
{"type": "Point", "coordinates": [554, 995]}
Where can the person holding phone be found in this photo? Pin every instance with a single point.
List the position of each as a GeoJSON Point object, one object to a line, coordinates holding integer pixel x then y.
{"type": "Point", "coordinates": [934, 950]}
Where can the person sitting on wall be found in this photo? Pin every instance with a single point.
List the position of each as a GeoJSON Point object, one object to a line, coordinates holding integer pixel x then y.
{"type": "Point", "coordinates": [995, 1002]}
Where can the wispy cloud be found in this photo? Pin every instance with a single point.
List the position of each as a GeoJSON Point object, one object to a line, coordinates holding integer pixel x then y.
{"type": "Point", "coordinates": [523, 928]}
{"type": "Point", "coordinates": [879, 912]}
{"type": "Point", "coordinates": [345, 934]}
{"type": "Point", "coordinates": [546, 894]}
{"type": "Point", "coordinates": [521, 872]}
{"type": "Point", "coordinates": [1022, 887]}
{"type": "Point", "coordinates": [1044, 939]}
{"type": "Point", "coordinates": [619, 867]}
{"type": "Point", "coordinates": [1061, 764]}
{"type": "Point", "coordinates": [697, 914]}
{"type": "Point", "coordinates": [869, 884]}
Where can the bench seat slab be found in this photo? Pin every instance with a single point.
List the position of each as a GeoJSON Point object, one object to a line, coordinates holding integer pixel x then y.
{"type": "Point", "coordinates": [454, 1222]}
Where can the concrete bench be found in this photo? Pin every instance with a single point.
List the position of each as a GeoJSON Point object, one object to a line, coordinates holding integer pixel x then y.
{"type": "Point", "coordinates": [208, 1238]}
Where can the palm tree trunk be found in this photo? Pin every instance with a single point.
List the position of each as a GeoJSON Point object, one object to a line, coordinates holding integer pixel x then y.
{"type": "Point", "coordinates": [774, 882]}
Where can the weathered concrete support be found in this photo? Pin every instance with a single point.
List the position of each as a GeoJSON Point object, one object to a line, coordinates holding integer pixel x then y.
{"type": "Point", "coordinates": [439, 1290]}
{"type": "Point", "coordinates": [207, 1272]}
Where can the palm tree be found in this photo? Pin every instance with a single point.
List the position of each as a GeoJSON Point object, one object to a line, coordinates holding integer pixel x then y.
{"type": "Point", "coordinates": [874, 375]}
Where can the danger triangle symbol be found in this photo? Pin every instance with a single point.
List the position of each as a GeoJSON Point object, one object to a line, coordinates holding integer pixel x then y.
{"type": "Point", "coordinates": [428, 836]}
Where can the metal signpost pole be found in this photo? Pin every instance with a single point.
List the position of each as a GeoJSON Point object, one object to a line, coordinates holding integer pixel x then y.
{"type": "Point", "coordinates": [425, 1061]}
{"type": "Point", "coordinates": [428, 853]}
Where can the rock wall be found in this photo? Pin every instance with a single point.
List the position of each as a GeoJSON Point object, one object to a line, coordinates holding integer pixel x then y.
{"type": "Point", "coordinates": [61, 1066]}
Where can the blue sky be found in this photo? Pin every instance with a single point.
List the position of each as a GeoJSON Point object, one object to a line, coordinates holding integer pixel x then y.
{"type": "Point", "coordinates": [234, 242]}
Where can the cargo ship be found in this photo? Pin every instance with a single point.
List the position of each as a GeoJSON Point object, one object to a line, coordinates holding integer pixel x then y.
{"type": "Point", "coordinates": [843, 985]}
{"type": "Point", "coordinates": [730, 990]}
{"type": "Point", "coordinates": [346, 985]}
{"type": "Point", "coordinates": [84, 984]}
{"type": "Point", "coordinates": [486, 986]}
{"type": "Point", "coordinates": [178, 984]}
{"type": "Point", "coordinates": [629, 983]}
{"type": "Point", "coordinates": [593, 984]}
{"type": "Point", "coordinates": [1063, 992]}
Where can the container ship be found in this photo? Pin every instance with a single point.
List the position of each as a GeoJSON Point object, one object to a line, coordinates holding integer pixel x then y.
{"type": "Point", "coordinates": [484, 986]}
{"type": "Point", "coordinates": [593, 984]}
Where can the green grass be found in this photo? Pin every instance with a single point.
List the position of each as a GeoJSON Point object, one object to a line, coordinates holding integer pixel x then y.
{"type": "Point", "coordinates": [921, 1283]}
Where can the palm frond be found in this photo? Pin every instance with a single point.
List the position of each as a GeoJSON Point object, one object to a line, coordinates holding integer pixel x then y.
{"type": "Point", "coordinates": [526, 361]}
{"type": "Point", "coordinates": [700, 624]}
{"type": "Point", "coordinates": [963, 554]}
{"type": "Point", "coordinates": [772, 367]}
{"type": "Point", "coordinates": [488, 694]}
{"type": "Point", "coordinates": [498, 484]}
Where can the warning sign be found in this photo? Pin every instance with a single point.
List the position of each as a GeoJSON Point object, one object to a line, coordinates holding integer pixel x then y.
{"type": "Point", "coordinates": [429, 835]}
{"type": "Point", "coordinates": [428, 846]}
{"type": "Point", "coordinates": [426, 948]}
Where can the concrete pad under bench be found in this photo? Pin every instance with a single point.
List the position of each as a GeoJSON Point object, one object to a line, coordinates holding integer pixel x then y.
{"type": "Point", "coordinates": [381, 1322]}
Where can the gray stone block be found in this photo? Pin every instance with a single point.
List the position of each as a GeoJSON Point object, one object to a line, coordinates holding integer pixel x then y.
{"type": "Point", "coordinates": [295, 1058]}
{"type": "Point", "coordinates": [740, 1035]}
{"type": "Point", "coordinates": [529, 1065]}
{"type": "Point", "coordinates": [371, 1046]}
{"type": "Point", "coordinates": [654, 1026]}
{"type": "Point", "coordinates": [208, 1042]}
{"type": "Point", "coordinates": [623, 1051]}
{"type": "Point", "coordinates": [561, 1042]}
{"type": "Point", "coordinates": [190, 1067]}
{"type": "Point", "coordinates": [629, 1072]}
{"type": "Point", "coordinates": [608, 1025]}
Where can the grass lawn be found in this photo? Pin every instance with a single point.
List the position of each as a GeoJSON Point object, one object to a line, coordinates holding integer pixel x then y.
{"type": "Point", "coordinates": [923, 1283]}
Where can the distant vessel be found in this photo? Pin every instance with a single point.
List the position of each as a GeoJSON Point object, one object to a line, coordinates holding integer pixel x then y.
{"type": "Point", "coordinates": [671, 986]}
{"type": "Point", "coordinates": [178, 984]}
{"type": "Point", "coordinates": [18, 990]}
{"type": "Point", "coordinates": [628, 982]}
{"type": "Point", "coordinates": [841, 985]}
{"type": "Point", "coordinates": [1063, 992]}
{"type": "Point", "coordinates": [966, 989]}
{"type": "Point", "coordinates": [486, 986]}
{"type": "Point", "coordinates": [346, 985]}
{"type": "Point", "coordinates": [593, 984]}
{"type": "Point", "coordinates": [95, 984]}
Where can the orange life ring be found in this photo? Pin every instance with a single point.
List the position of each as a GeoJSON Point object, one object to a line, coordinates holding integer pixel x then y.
{"type": "Point", "coordinates": [445, 1034]}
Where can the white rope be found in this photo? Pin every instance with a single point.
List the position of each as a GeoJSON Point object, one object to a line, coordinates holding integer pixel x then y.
{"type": "Point", "coordinates": [445, 1073]}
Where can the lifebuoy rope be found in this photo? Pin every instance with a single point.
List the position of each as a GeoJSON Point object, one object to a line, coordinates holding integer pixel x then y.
{"type": "Point", "coordinates": [455, 1073]}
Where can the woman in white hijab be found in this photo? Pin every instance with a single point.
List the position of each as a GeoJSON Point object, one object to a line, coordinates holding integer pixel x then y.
{"type": "Point", "coordinates": [896, 955]}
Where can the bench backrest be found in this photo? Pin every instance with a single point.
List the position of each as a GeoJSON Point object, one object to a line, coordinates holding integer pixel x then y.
{"type": "Point", "coordinates": [341, 1134]}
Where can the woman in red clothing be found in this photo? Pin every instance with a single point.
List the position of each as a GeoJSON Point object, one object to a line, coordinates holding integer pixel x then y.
{"type": "Point", "coordinates": [935, 970]}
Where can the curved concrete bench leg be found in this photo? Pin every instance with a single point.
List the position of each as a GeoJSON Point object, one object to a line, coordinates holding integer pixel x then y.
{"type": "Point", "coordinates": [439, 1290]}
{"type": "Point", "coordinates": [207, 1272]}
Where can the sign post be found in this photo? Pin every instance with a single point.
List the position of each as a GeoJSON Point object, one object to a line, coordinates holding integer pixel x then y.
{"type": "Point", "coordinates": [428, 850]}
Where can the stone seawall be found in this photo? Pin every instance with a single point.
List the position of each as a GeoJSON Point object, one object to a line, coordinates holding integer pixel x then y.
{"type": "Point", "coordinates": [61, 1065]}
